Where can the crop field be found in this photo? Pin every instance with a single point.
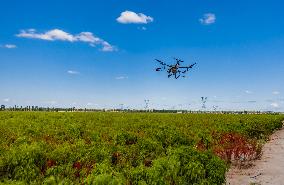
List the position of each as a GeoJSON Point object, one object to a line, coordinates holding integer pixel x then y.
{"type": "Point", "coordinates": [127, 148]}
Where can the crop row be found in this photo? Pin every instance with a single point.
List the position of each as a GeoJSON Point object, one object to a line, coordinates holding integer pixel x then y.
{"type": "Point", "coordinates": [127, 148]}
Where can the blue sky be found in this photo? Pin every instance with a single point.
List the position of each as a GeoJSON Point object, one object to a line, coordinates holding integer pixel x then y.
{"type": "Point", "coordinates": [100, 54]}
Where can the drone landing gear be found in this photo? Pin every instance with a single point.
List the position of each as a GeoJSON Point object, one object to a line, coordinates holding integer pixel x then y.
{"type": "Point", "coordinates": [176, 77]}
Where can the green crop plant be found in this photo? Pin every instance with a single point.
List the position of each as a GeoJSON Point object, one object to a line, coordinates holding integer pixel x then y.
{"type": "Point", "coordinates": [127, 148]}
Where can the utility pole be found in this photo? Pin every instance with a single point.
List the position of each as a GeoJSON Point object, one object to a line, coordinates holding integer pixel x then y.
{"type": "Point", "coordinates": [146, 105]}
{"type": "Point", "coordinates": [203, 100]}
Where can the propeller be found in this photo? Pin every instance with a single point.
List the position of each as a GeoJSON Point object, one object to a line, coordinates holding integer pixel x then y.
{"type": "Point", "coordinates": [162, 63]}
{"type": "Point", "coordinates": [178, 60]}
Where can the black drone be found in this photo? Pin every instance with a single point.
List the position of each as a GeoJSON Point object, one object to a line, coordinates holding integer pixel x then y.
{"type": "Point", "coordinates": [174, 70]}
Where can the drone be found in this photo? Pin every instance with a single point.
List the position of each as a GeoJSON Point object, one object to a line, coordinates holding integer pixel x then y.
{"type": "Point", "coordinates": [174, 70]}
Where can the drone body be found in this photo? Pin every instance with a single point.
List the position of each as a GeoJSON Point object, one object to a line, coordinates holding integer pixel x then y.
{"type": "Point", "coordinates": [174, 70]}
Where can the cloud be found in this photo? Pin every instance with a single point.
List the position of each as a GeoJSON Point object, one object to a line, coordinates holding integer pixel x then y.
{"type": "Point", "coordinates": [121, 77]}
{"type": "Point", "coordinates": [275, 92]}
{"type": "Point", "coordinates": [142, 28]}
{"type": "Point", "coordinates": [73, 72]}
{"type": "Point", "coordinates": [51, 102]}
{"type": "Point", "coordinates": [6, 99]}
{"type": "Point", "coordinates": [128, 17]}
{"type": "Point", "coordinates": [51, 35]}
{"type": "Point", "coordinates": [208, 18]}
{"type": "Point", "coordinates": [9, 46]}
{"type": "Point", "coordinates": [108, 47]}
{"type": "Point", "coordinates": [60, 35]}
{"type": "Point", "coordinates": [92, 104]}
{"type": "Point", "coordinates": [275, 105]}
{"type": "Point", "coordinates": [248, 92]}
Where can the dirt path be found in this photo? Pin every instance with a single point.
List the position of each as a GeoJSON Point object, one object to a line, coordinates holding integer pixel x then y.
{"type": "Point", "coordinates": [267, 170]}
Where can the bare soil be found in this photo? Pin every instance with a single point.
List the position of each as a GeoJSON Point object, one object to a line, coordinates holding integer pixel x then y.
{"type": "Point", "coordinates": [269, 169]}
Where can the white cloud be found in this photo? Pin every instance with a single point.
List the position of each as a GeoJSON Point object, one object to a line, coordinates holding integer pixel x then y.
{"type": "Point", "coordinates": [92, 104]}
{"type": "Point", "coordinates": [73, 72]}
{"type": "Point", "coordinates": [248, 92]}
{"type": "Point", "coordinates": [208, 18]}
{"type": "Point", "coordinates": [6, 99]}
{"type": "Point", "coordinates": [121, 77]}
{"type": "Point", "coordinates": [51, 102]}
{"type": "Point", "coordinates": [51, 35]}
{"type": "Point", "coordinates": [142, 28]}
{"type": "Point", "coordinates": [9, 46]}
{"type": "Point", "coordinates": [108, 47]}
{"type": "Point", "coordinates": [275, 105]}
{"type": "Point", "coordinates": [128, 17]}
{"type": "Point", "coordinates": [87, 37]}
{"type": "Point", "coordinates": [275, 92]}
{"type": "Point", "coordinates": [56, 34]}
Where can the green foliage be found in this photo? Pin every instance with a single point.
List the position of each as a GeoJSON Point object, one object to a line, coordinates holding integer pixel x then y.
{"type": "Point", "coordinates": [124, 148]}
{"type": "Point", "coordinates": [185, 165]}
{"type": "Point", "coordinates": [23, 162]}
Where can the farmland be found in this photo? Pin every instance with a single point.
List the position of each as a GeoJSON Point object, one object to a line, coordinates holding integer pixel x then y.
{"type": "Point", "coordinates": [127, 148]}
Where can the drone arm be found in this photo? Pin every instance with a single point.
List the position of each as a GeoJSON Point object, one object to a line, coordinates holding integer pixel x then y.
{"type": "Point", "coordinates": [192, 65]}
{"type": "Point", "coordinates": [162, 63]}
{"type": "Point", "coordinates": [184, 71]}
